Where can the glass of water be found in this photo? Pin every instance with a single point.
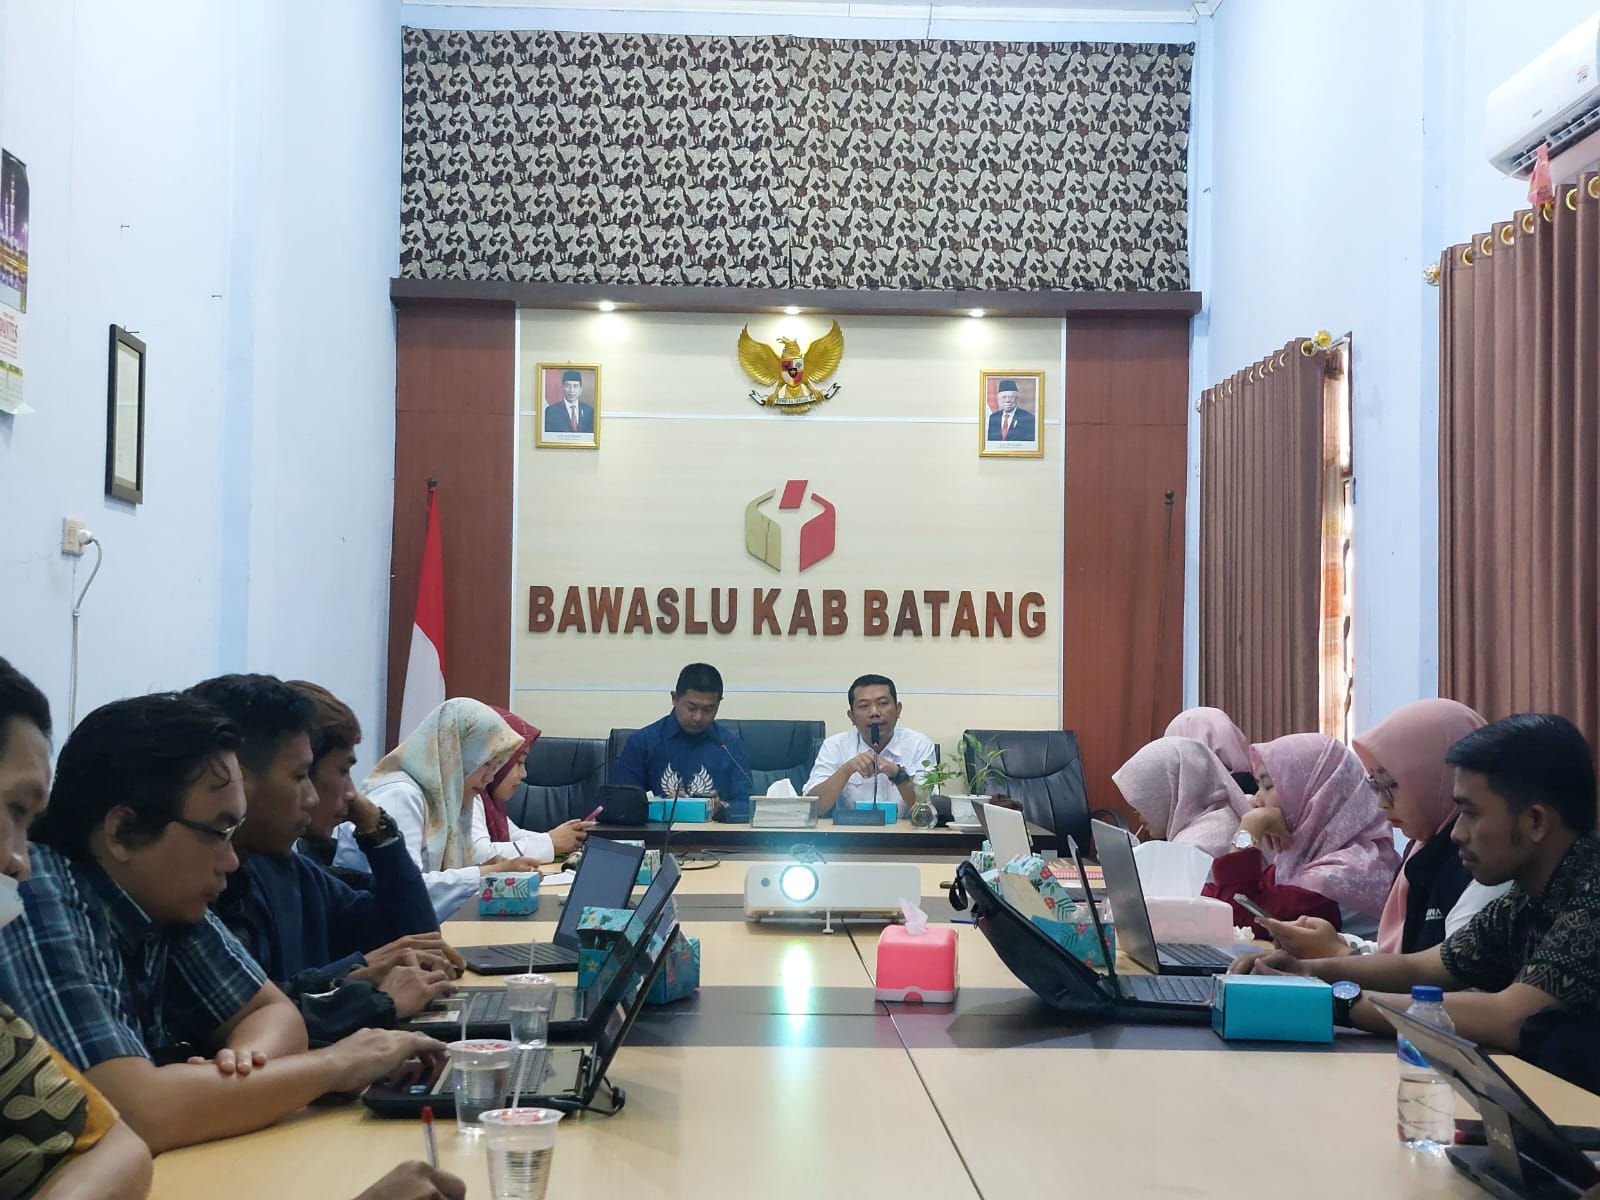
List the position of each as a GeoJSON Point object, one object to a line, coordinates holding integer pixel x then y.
{"type": "Point", "coordinates": [522, 1145]}
{"type": "Point", "coordinates": [529, 999]}
{"type": "Point", "coordinates": [481, 1069]}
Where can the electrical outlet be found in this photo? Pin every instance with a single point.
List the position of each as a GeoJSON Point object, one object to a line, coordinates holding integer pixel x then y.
{"type": "Point", "coordinates": [72, 536]}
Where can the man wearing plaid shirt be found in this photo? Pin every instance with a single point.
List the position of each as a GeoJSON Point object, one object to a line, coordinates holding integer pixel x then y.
{"type": "Point", "coordinates": [118, 962]}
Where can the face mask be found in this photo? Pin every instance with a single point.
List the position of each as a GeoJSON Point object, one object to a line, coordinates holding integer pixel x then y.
{"type": "Point", "coordinates": [10, 900]}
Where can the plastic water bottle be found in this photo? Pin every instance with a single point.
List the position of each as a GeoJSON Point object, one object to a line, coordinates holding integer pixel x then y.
{"type": "Point", "coordinates": [1425, 1102]}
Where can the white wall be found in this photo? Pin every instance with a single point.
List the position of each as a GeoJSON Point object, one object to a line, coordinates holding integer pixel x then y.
{"type": "Point", "coordinates": [221, 178]}
{"type": "Point", "coordinates": [1345, 150]}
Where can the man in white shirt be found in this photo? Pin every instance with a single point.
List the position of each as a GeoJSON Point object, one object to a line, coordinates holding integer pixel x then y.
{"type": "Point", "coordinates": [873, 760]}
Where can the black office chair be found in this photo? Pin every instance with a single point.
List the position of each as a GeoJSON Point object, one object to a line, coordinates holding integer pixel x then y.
{"type": "Point", "coordinates": [563, 783]}
{"type": "Point", "coordinates": [1043, 772]}
{"type": "Point", "coordinates": [778, 750]}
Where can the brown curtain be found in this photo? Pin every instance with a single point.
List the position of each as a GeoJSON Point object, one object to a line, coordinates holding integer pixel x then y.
{"type": "Point", "coordinates": [1261, 538]}
{"type": "Point", "coordinates": [1519, 463]}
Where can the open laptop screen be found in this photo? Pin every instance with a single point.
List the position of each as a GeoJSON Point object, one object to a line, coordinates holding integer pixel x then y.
{"type": "Point", "coordinates": [605, 880]}
{"type": "Point", "coordinates": [1128, 908]}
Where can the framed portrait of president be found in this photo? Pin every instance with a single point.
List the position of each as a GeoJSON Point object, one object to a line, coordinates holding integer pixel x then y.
{"type": "Point", "coordinates": [1011, 414]}
{"type": "Point", "coordinates": [569, 406]}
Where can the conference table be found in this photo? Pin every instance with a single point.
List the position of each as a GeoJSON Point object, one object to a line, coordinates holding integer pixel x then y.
{"type": "Point", "coordinates": [782, 1077]}
{"type": "Point", "coordinates": [901, 838]}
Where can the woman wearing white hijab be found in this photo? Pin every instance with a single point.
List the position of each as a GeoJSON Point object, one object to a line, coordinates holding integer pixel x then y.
{"type": "Point", "coordinates": [428, 784]}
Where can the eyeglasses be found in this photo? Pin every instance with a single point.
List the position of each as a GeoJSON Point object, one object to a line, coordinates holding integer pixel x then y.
{"type": "Point", "coordinates": [219, 837]}
{"type": "Point", "coordinates": [1385, 789]}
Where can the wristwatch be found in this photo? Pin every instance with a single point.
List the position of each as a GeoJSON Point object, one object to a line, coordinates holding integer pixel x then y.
{"type": "Point", "coordinates": [1244, 840]}
{"type": "Point", "coordinates": [384, 832]}
{"type": "Point", "coordinates": [1345, 994]}
{"type": "Point", "coordinates": [902, 776]}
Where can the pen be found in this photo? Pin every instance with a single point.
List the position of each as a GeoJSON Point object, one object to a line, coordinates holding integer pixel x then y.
{"type": "Point", "coordinates": [427, 1137]}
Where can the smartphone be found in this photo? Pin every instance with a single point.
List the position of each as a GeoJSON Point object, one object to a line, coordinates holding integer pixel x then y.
{"type": "Point", "coordinates": [1251, 907]}
{"type": "Point", "coordinates": [599, 808]}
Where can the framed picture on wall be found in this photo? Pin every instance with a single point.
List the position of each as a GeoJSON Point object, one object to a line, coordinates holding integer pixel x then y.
{"type": "Point", "coordinates": [1011, 414]}
{"type": "Point", "coordinates": [125, 418]}
{"type": "Point", "coordinates": [569, 406]}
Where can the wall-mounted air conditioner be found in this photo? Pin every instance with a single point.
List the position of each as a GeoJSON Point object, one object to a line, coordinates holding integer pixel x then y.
{"type": "Point", "coordinates": [1555, 99]}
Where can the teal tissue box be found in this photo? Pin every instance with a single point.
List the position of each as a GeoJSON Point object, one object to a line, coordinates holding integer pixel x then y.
{"type": "Point", "coordinates": [647, 867]}
{"type": "Point", "coordinates": [680, 974]}
{"type": "Point", "coordinates": [1272, 1008]}
{"type": "Point", "coordinates": [510, 895]}
{"type": "Point", "coordinates": [690, 810]}
{"type": "Point", "coordinates": [1078, 937]}
{"type": "Point", "coordinates": [599, 927]}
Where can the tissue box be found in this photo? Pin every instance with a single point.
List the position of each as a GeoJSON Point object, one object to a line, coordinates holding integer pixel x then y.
{"type": "Point", "coordinates": [690, 810]}
{"type": "Point", "coordinates": [1075, 934]}
{"type": "Point", "coordinates": [680, 974]}
{"type": "Point", "coordinates": [1272, 1008]}
{"type": "Point", "coordinates": [598, 928]}
{"type": "Point", "coordinates": [982, 859]}
{"type": "Point", "coordinates": [648, 866]}
{"type": "Point", "coordinates": [916, 966]}
{"type": "Point", "coordinates": [1199, 919]}
{"type": "Point", "coordinates": [509, 895]}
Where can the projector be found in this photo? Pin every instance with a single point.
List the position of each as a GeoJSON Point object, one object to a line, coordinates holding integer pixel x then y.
{"type": "Point", "coordinates": [828, 890]}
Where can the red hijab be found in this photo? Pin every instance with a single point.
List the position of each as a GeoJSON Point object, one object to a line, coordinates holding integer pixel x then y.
{"type": "Point", "coordinates": [494, 812]}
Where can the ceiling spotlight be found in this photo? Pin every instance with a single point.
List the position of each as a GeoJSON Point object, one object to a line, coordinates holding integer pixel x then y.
{"type": "Point", "coordinates": [975, 312]}
{"type": "Point", "coordinates": [608, 306]}
{"type": "Point", "coordinates": [791, 310]}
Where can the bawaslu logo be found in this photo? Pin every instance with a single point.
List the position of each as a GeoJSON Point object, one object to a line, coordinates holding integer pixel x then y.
{"type": "Point", "coordinates": [764, 540]}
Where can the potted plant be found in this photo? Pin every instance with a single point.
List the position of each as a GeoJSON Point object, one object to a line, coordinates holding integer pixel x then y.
{"type": "Point", "coordinates": [953, 768]}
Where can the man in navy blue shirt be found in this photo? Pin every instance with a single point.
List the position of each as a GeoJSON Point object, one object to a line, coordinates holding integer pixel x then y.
{"type": "Point", "coordinates": [687, 753]}
{"type": "Point", "coordinates": [310, 932]}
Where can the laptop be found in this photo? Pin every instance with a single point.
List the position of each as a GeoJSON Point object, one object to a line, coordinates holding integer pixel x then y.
{"type": "Point", "coordinates": [1008, 832]}
{"type": "Point", "coordinates": [1132, 915]}
{"type": "Point", "coordinates": [604, 879]}
{"type": "Point", "coordinates": [577, 1013]}
{"type": "Point", "coordinates": [1139, 999]}
{"type": "Point", "coordinates": [567, 1078]}
{"type": "Point", "coordinates": [1527, 1156]}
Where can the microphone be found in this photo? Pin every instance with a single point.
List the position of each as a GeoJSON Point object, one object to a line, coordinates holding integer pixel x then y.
{"type": "Point", "coordinates": [748, 778]}
{"type": "Point", "coordinates": [875, 731]}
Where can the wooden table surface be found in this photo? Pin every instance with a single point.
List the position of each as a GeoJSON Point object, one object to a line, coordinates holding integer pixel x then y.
{"type": "Point", "coordinates": [782, 1077]}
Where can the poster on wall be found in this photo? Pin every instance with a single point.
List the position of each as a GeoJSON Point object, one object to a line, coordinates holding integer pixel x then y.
{"type": "Point", "coordinates": [13, 278]}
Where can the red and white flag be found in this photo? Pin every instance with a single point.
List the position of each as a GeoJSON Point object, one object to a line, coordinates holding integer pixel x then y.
{"type": "Point", "coordinates": [424, 690]}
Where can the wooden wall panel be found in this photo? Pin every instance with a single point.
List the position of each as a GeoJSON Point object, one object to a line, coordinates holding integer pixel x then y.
{"type": "Point", "coordinates": [455, 421]}
{"type": "Point", "coordinates": [1126, 446]}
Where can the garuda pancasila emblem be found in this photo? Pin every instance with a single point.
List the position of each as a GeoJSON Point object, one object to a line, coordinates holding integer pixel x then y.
{"type": "Point", "coordinates": [790, 374]}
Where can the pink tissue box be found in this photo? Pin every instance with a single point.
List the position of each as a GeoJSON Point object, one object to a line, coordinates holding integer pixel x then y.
{"type": "Point", "coordinates": [915, 966]}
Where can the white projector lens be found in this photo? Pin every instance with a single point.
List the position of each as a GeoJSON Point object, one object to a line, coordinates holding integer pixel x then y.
{"type": "Point", "coordinates": [798, 883]}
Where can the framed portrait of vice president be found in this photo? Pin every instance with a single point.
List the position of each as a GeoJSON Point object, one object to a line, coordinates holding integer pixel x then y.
{"type": "Point", "coordinates": [1011, 414]}
{"type": "Point", "coordinates": [569, 406]}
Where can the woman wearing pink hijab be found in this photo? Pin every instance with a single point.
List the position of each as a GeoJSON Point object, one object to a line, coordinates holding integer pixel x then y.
{"type": "Point", "coordinates": [1182, 793]}
{"type": "Point", "coordinates": [1315, 815]}
{"type": "Point", "coordinates": [1222, 737]}
{"type": "Point", "coordinates": [1433, 895]}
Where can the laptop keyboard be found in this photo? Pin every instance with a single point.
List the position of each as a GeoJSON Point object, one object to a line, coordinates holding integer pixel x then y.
{"type": "Point", "coordinates": [545, 954]}
{"type": "Point", "coordinates": [1174, 989]}
{"type": "Point", "coordinates": [1193, 954]}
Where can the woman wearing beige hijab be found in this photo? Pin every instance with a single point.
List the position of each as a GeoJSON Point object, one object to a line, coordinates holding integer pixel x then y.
{"type": "Point", "coordinates": [1183, 793]}
{"type": "Point", "coordinates": [1226, 740]}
